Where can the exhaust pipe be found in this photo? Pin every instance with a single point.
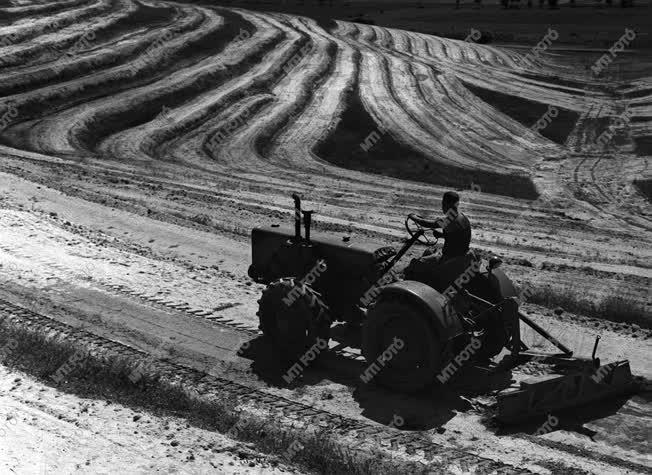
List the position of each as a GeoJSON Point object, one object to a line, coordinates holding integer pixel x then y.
{"type": "Point", "coordinates": [297, 216]}
{"type": "Point", "coordinates": [307, 219]}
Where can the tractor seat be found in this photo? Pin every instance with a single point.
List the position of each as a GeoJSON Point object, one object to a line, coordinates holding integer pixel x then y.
{"type": "Point", "coordinates": [442, 274]}
{"type": "Point", "coordinates": [450, 270]}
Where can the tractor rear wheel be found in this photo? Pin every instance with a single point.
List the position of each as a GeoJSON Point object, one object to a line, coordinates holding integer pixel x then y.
{"type": "Point", "coordinates": [294, 317]}
{"type": "Point", "coordinates": [402, 350]}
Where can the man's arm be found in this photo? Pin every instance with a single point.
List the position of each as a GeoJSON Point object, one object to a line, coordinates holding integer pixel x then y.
{"type": "Point", "coordinates": [429, 223]}
{"type": "Point", "coordinates": [426, 223]}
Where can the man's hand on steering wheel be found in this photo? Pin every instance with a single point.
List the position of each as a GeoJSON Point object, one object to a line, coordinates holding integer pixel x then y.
{"type": "Point", "coordinates": [417, 220]}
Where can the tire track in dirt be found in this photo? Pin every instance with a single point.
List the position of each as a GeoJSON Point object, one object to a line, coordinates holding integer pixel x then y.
{"type": "Point", "coordinates": [411, 441]}
{"type": "Point", "coordinates": [414, 444]}
{"type": "Point", "coordinates": [603, 171]}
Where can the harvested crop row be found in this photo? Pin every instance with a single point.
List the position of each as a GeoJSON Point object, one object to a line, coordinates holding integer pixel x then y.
{"type": "Point", "coordinates": [211, 136]}
{"type": "Point", "coordinates": [53, 133]}
{"type": "Point", "coordinates": [85, 47]}
{"type": "Point", "coordinates": [201, 106]}
{"type": "Point", "coordinates": [296, 145]}
{"type": "Point", "coordinates": [20, 11]}
{"type": "Point", "coordinates": [25, 29]}
{"type": "Point", "coordinates": [275, 79]}
{"type": "Point", "coordinates": [65, 91]}
{"type": "Point", "coordinates": [319, 63]}
{"type": "Point", "coordinates": [69, 41]}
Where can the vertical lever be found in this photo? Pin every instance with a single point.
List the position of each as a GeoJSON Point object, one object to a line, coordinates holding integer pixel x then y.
{"type": "Point", "coordinates": [595, 347]}
{"type": "Point", "coordinates": [297, 216]}
{"type": "Point", "coordinates": [307, 219]}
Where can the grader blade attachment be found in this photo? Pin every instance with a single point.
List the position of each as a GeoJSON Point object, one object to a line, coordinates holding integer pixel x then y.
{"type": "Point", "coordinates": [547, 394]}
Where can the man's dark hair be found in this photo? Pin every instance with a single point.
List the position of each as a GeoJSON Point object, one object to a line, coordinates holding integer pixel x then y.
{"type": "Point", "coordinates": [450, 198]}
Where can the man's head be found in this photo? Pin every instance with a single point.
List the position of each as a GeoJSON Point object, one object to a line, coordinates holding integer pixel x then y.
{"type": "Point", "coordinates": [450, 200]}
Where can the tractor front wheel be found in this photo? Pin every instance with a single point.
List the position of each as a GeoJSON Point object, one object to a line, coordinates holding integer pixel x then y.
{"type": "Point", "coordinates": [402, 350]}
{"type": "Point", "coordinates": [293, 316]}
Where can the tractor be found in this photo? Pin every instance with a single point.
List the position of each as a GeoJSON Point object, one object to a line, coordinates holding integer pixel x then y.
{"type": "Point", "coordinates": [316, 279]}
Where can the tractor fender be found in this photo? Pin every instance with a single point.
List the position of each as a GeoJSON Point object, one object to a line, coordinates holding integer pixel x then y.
{"type": "Point", "coordinates": [502, 285]}
{"type": "Point", "coordinates": [430, 301]}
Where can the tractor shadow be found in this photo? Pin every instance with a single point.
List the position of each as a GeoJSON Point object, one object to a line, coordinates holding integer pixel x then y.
{"type": "Point", "coordinates": [429, 408]}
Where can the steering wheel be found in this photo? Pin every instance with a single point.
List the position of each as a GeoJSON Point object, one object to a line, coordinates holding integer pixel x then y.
{"type": "Point", "coordinates": [423, 239]}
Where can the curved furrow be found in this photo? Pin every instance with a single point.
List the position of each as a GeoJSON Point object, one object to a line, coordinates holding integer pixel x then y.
{"type": "Point", "coordinates": [210, 137]}
{"type": "Point", "coordinates": [376, 35]}
{"type": "Point", "coordinates": [194, 147]}
{"type": "Point", "coordinates": [151, 59]}
{"type": "Point", "coordinates": [489, 56]}
{"type": "Point", "coordinates": [534, 90]}
{"type": "Point", "coordinates": [306, 66]}
{"type": "Point", "coordinates": [463, 52]}
{"type": "Point", "coordinates": [319, 121]}
{"type": "Point", "coordinates": [419, 45]}
{"type": "Point", "coordinates": [376, 95]}
{"type": "Point", "coordinates": [22, 11]}
{"type": "Point", "coordinates": [26, 29]}
{"type": "Point", "coordinates": [523, 144]}
{"type": "Point", "coordinates": [637, 100]}
{"type": "Point", "coordinates": [294, 147]}
{"type": "Point", "coordinates": [525, 87]}
{"type": "Point", "coordinates": [472, 126]}
{"type": "Point", "coordinates": [138, 104]}
{"type": "Point", "coordinates": [319, 63]}
{"type": "Point", "coordinates": [379, 99]}
{"type": "Point", "coordinates": [448, 129]}
{"type": "Point", "coordinates": [455, 50]}
{"type": "Point", "coordinates": [205, 140]}
{"type": "Point", "coordinates": [435, 47]}
{"type": "Point", "coordinates": [405, 115]}
{"type": "Point", "coordinates": [401, 42]}
{"type": "Point", "coordinates": [452, 60]}
{"type": "Point", "coordinates": [414, 46]}
{"type": "Point", "coordinates": [82, 127]}
{"type": "Point", "coordinates": [367, 34]}
{"type": "Point", "coordinates": [56, 47]}
{"type": "Point", "coordinates": [358, 33]}
{"type": "Point", "coordinates": [236, 60]}
{"type": "Point", "coordinates": [270, 78]}
{"type": "Point", "coordinates": [444, 151]}
{"type": "Point", "coordinates": [396, 119]}
{"type": "Point", "coordinates": [460, 132]}
{"type": "Point", "coordinates": [86, 58]}
{"type": "Point", "coordinates": [454, 135]}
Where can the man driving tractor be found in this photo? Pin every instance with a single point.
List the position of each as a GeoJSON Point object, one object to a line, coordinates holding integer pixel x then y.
{"type": "Point", "coordinates": [456, 231]}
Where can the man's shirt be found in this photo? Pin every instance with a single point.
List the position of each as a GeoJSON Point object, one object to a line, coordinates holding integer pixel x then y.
{"type": "Point", "coordinates": [457, 234]}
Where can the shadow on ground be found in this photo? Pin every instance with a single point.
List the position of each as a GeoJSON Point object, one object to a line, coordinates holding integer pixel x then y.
{"type": "Point", "coordinates": [427, 409]}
